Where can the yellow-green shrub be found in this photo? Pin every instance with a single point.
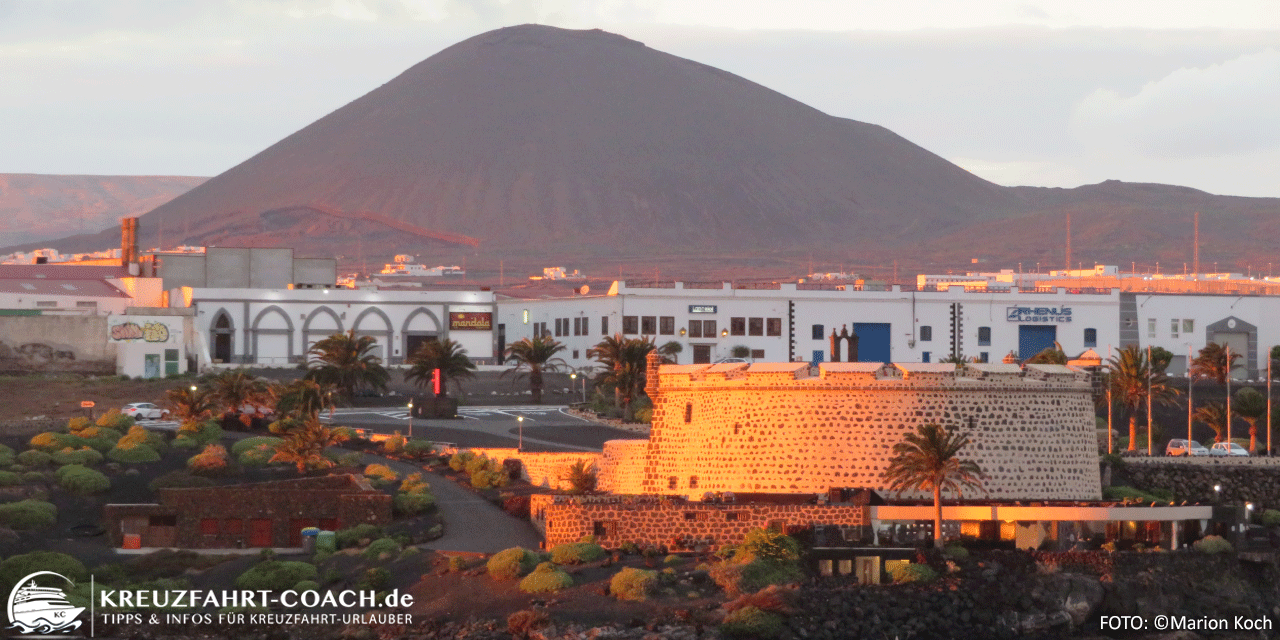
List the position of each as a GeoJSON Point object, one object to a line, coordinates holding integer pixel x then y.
{"type": "Point", "coordinates": [512, 563]}
{"type": "Point", "coordinates": [546, 578]}
{"type": "Point", "coordinates": [633, 584]}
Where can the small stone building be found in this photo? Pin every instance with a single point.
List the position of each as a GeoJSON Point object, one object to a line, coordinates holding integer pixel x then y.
{"type": "Point", "coordinates": [263, 514]}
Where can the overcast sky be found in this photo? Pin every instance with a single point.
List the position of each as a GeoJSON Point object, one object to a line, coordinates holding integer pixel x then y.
{"type": "Point", "coordinates": [1050, 93]}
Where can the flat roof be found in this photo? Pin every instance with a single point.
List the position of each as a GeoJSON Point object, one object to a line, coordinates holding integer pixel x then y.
{"type": "Point", "coordinates": [851, 367]}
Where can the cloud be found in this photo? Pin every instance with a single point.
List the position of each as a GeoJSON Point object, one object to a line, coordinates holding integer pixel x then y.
{"type": "Point", "coordinates": [1222, 109]}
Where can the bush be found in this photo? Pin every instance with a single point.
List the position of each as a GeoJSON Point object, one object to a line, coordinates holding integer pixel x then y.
{"type": "Point", "coordinates": [768, 545]}
{"type": "Point", "coordinates": [134, 455]}
{"type": "Point", "coordinates": [1212, 544]}
{"type": "Point", "coordinates": [956, 552]}
{"type": "Point", "coordinates": [78, 424]}
{"type": "Point", "coordinates": [34, 476]}
{"type": "Point", "coordinates": [413, 503]}
{"type": "Point", "coordinates": [34, 458]}
{"type": "Point", "coordinates": [101, 439]}
{"type": "Point", "coordinates": [380, 474]}
{"type": "Point", "coordinates": [136, 435]}
{"type": "Point", "coordinates": [1270, 517]}
{"type": "Point", "coordinates": [393, 444]}
{"type": "Point", "coordinates": [306, 585]}
{"type": "Point", "coordinates": [488, 479]}
{"type": "Point", "coordinates": [1130, 493]}
{"type": "Point", "coordinates": [202, 433]}
{"type": "Point", "coordinates": [580, 476]}
{"type": "Point", "coordinates": [576, 553]}
{"type": "Point", "coordinates": [254, 442]}
{"type": "Point", "coordinates": [9, 479]}
{"type": "Point", "coordinates": [374, 579]}
{"type": "Point", "coordinates": [85, 456]}
{"type": "Point", "coordinates": [913, 572]}
{"type": "Point", "coordinates": [82, 480]}
{"type": "Point", "coordinates": [546, 578]}
{"type": "Point", "coordinates": [51, 441]}
{"type": "Point", "coordinates": [352, 536]}
{"type": "Point", "coordinates": [477, 464]}
{"type": "Point", "coordinates": [28, 514]}
{"type": "Point", "coordinates": [276, 575]}
{"type": "Point", "coordinates": [459, 460]}
{"type": "Point", "coordinates": [212, 461]}
{"type": "Point", "coordinates": [751, 622]}
{"type": "Point", "coordinates": [380, 547]}
{"type": "Point", "coordinates": [738, 578]}
{"type": "Point", "coordinates": [114, 420]}
{"type": "Point", "coordinates": [354, 459]}
{"type": "Point", "coordinates": [633, 584]}
{"type": "Point", "coordinates": [457, 564]}
{"type": "Point", "coordinates": [16, 568]}
{"type": "Point", "coordinates": [512, 563]}
{"type": "Point", "coordinates": [418, 448]}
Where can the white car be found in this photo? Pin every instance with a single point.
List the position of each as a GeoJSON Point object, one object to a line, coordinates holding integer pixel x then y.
{"type": "Point", "coordinates": [144, 411]}
{"type": "Point", "coordinates": [1228, 449]}
{"type": "Point", "coordinates": [1179, 447]}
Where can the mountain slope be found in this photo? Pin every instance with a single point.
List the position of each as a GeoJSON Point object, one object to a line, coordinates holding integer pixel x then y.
{"type": "Point", "coordinates": [39, 207]}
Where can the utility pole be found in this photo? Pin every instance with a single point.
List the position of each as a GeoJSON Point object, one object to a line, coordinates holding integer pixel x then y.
{"type": "Point", "coordinates": [1110, 407]}
{"type": "Point", "coordinates": [1269, 404]}
{"type": "Point", "coordinates": [1191, 386]}
{"type": "Point", "coordinates": [1228, 393]}
{"type": "Point", "coordinates": [1151, 422]}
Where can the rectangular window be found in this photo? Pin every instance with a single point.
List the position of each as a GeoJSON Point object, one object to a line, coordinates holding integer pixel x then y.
{"type": "Point", "coordinates": [577, 326]}
{"type": "Point", "coordinates": [690, 515]}
{"type": "Point", "coordinates": [737, 326]}
{"type": "Point", "coordinates": [558, 332]}
{"type": "Point", "coordinates": [982, 356]}
{"type": "Point", "coordinates": [630, 325]}
{"type": "Point", "coordinates": [773, 327]}
{"type": "Point", "coordinates": [1090, 337]}
{"type": "Point", "coordinates": [926, 334]}
{"type": "Point", "coordinates": [924, 356]}
{"type": "Point", "coordinates": [209, 526]}
{"type": "Point", "coordinates": [162, 521]}
{"type": "Point", "coordinates": [672, 482]}
{"type": "Point", "coordinates": [688, 412]}
{"type": "Point", "coordinates": [819, 332]}
{"type": "Point", "coordinates": [648, 325]}
{"type": "Point", "coordinates": [575, 354]}
{"type": "Point", "coordinates": [1188, 326]}
{"type": "Point", "coordinates": [47, 304]}
{"type": "Point", "coordinates": [984, 336]}
{"type": "Point", "coordinates": [604, 528]}
{"type": "Point", "coordinates": [87, 304]}
{"type": "Point", "coordinates": [693, 482]}
{"type": "Point", "coordinates": [604, 325]}
{"type": "Point", "coordinates": [708, 328]}
{"type": "Point", "coordinates": [667, 325]}
{"type": "Point", "coordinates": [1151, 327]}
{"type": "Point", "coordinates": [233, 525]}
{"type": "Point", "coordinates": [757, 354]}
{"type": "Point", "coordinates": [732, 516]}
{"type": "Point", "coordinates": [695, 328]}
{"type": "Point", "coordinates": [755, 326]}
{"type": "Point", "coordinates": [1174, 324]}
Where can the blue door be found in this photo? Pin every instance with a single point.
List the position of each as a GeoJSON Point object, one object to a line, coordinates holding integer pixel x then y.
{"type": "Point", "coordinates": [1034, 338]}
{"type": "Point", "coordinates": [873, 341]}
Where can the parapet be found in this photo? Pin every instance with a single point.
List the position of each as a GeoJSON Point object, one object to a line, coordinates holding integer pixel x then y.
{"type": "Point", "coordinates": [834, 375]}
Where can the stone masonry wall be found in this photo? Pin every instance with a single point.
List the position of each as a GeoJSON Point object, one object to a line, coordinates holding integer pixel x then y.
{"type": "Point", "coordinates": [543, 469]}
{"type": "Point", "coordinates": [792, 432]}
{"type": "Point", "coordinates": [621, 466]}
{"type": "Point", "coordinates": [676, 523]}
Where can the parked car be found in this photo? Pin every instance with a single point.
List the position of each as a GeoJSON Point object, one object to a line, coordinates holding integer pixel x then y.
{"type": "Point", "coordinates": [144, 411]}
{"type": "Point", "coordinates": [1178, 447]}
{"type": "Point", "coordinates": [1228, 449]}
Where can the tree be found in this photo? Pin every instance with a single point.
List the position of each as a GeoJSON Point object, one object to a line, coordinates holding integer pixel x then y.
{"type": "Point", "coordinates": [347, 363]}
{"type": "Point", "coordinates": [1160, 359]}
{"type": "Point", "coordinates": [929, 460]}
{"type": "Point", "coordinates": [236, 388]}
{"type": "Point", "coordinates": [670, 352]}
{"type": "Point", "coordinates": [536, 355]}
{"type": "Point", "coordinates": [446, 355]}
{"type": "Point", "coordinates": [1130, 377]}
{"type": "Point", "coordinates": [1213, 414]}
{"type": "Point", "coordinates": [190, 404]}
{"type": "Point", "coordinates": [304, 443]}
{"type": "Point", "coordinates": [1211, 363]}
{"type": "Point", "coordinates": [303, 399]}
{"type": "Point", "coordinates": [1251, 406]}
{"type": "Point", "coordinates": [625, 361]}
{"type": "Point", "coordinates": [1051, 355]}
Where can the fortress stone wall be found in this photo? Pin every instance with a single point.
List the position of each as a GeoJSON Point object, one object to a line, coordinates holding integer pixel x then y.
{"type": "Point", "coordinates": [787, 428]}
{"type": "Point", "coordinates": [542, 469]}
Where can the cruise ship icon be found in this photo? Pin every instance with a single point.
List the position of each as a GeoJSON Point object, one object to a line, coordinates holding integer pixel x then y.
{"type": "Point", "coordinates": [36, 609]}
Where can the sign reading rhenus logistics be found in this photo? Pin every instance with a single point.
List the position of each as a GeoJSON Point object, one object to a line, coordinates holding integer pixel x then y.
{"type": "Point", "coordinates": [1038, 314]}
{"type": "Point", "coordinates": [470, 321]}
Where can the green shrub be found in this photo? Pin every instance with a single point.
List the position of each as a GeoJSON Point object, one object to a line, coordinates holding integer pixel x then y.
{"type": "Point", "coordinates": [374, 579]}
{"type": "Point", "coordinates": [352, 536]}
{"type": "Point", "coordinates": [672, 559]}
{"type": "Point", "coordinates": [380, 547]}
{"type": "Point", "coordinates": [459, 460]}
{"type": "Point", "coordinates": [101, 439]}
{"type": "Point", "coordinates": [34, 476]}
{"type": "Point", "coordinates": [381, 474]}
{"type": "Point", "coordinates": [512, 563]}
{"type": "Point", "coordinates": [18, 567]}
{"type": "Point", "coordinates": [1212, 544]}
{"type": "Point", "coordinates": [913, 572]}
{"type": "Point", "coordinates": [546, 578]}
{"type": "Point", "coordinates": [206, 432]}
{"type": "Point", "coordinates": [413, 503]}
{"type": "Point", "coordinates": [629, 548]}
{"type": "Point", "coordinates": [114, 420]}
{"type": "Point", "coordinates": [576, 553]}
{"type": "Point", "coordinates": [185, 442]}
{"type": "Point", "coordinates": [247, 444]}
{"type": "Point", "coordinates": [633, 584]}
{"type": "Point", "coordinates": [34, 458]}
{"type": "Point", "coordinates": [956, 552]}
{"type": "Point", "coordinates": [487, 479]}
{"type": "Point", "coordinates": [751, 622]}
{"type": "Point", "coordinates": [393, 444]}
{"type": "Point", "coordinates": [82, 480]}
{"type": "Point", "coordinates": [1270, 517]}
{"type": "Point", "coordinates": [213, 460]}
{"type": "Point", "coordinates": [344, 434]}
{"type": "Point", "coordinates": [276, 575]}
{"type": "Point", "coordinates": [1130, 493]}
{"type": "Point", "coordinates": [418, 448]}
{"type": "Point", "coordinates": [737, 578]}
{"type": "Point", "coordinates": [51, 441]}
{"type": "Point", "coordinates": [306, 585]}
{"type": "Point", "coordinates": [78, 424]}
{"type": "Point", "coordinates": [353, 459]}
{"type": "Point", "coordinates": [134, 455]}
{"type": "Point", "coordinates": [457, 564]}
{"type": "Point", "coordinates": [28, 514]}
{"type": "Point", "coordinates": [9, 479]}
{"type": "Point", "coordinates": [768, 545]}
{"type": "Point", "coordinates": [85, 456]}
{"type": "Point", "coordinates": [136, 435]}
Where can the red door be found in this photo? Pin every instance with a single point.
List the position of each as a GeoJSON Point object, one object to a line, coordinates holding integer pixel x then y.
{"type": "Point", "coordinates": [260, 532]}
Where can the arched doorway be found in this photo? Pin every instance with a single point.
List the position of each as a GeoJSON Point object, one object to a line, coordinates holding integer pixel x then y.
{"type": "Point", "coordinates": [223, 337]}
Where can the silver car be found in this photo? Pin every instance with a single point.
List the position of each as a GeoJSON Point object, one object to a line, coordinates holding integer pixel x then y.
{"type": "Point", "coordinates": [1228, 449]}
{"type": "Point", "coordinates": [144, 411]}
{"type": "Point", "coordinates": [1177, 447]}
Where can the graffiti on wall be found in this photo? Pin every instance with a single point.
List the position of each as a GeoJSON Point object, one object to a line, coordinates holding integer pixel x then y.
{"type": "Point", "coordinates": [147, 332]}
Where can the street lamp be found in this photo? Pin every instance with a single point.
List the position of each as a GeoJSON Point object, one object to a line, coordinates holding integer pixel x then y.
{"type": "Point", "coordinates": [1217, 493]}
{"type": "Point", "coordinates": [410, 419]}
{"type": "Point", "coordinates": [520, 443]}
{"type": "Point", "coordinates": [574, 376]}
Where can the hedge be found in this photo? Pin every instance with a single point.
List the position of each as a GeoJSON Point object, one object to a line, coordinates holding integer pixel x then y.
{"type": "Point", "coordinates": [82, 480]}
{"type": "Point", "coordinates": [85, 457]}
{"type": "Point", "coordinates": [34, 458]}
{"type": "Point", "coordinates": [137, 454]}
{"type": "Point", "coordinates": [276, 575]}
{"type": "Point", "coordinates": [28, 514]}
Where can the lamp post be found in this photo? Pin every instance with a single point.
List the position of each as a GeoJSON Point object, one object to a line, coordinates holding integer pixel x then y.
{"type": "Point", "coordinates": [1217, 493]}
{"type": "Point", "coordinates": [410, 419]}
{"type": "Point", "coordinates": [520, 442]}
{"type": "Point", "coordinates": [574, 376]}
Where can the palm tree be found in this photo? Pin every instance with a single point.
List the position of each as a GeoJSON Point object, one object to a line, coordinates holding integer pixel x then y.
{"type": "Point", "coordinates": [538, 356]}
{"type": "Point", "coordinates": [446, 355]}
{"type": "Point", "coordinates": [234, 389]}
{"type": "Point", "coordinates": [1050, 355]}
{"type": "Point", "coordinates": [1251, 406]}
{"type": "Point", "coordinates": [305, 442]}
{"type": "Point", "coordinates": [929, 460]}
{"type": "Point", "coordinates": [190, 404]}
{"type": "Point", "coordinates": [1211, 363]}
{"type": "Point", "coordinates": [670, 352]}
{"type": "Point", "coordinates": [303, 399]}
{"type": "Point", "coordinates": [1213, 414]}
{"type": "Point", "coordinates": [625, 361]}
{"type": "Point", "coordinates": [347, 363]}
{"type": "Point", "coordinates": [1130, 378]}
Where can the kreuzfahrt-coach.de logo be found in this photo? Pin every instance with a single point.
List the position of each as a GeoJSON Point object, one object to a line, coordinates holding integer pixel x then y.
{"type": "Point", "coordinates": [42, 609]}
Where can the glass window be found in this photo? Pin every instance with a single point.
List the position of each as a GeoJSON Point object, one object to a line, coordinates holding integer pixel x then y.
{"type": "Point", "coordinates": [757, 354]}
{"type": "Point", "coordinates": [984, 336]}
{"type": "Point", "coordinates": [1188, 326]}
{"type": "Point", "coordinates": [630, 325]}
{"type": "Point", "coordinates": [575, 354]}
{"type": "Point", "coordinates": [926, 334]}
{"type": "Point", "coordinates": [688, 412]}
{"type": "Point", "coordinates": [672, 482]}
{"type": "Point", "coordinates": [773, 327]}
{"type": "Point", "coordinates": [667, 325]}
{"type": "Point", "coordinates": [648, 325]}
{"type": "Point", "coordinates": [982, 356]}
{"type": "Point", "coordinates": [1090, 337]}
{"type": "Point", "coordinates": [1151, 327]}
{"type": "Point", "coordinates": [1174, 324]}
{"type": "Point", "coordinates": [695, 328]}
{"type": "Point", "coordinates": [737, 326]}
{"type": "Point", "coordinates": [755, 326]}
{"type": "Point", "coordinates": [924, 356]}
{"type": "Point", "coordinates": [708, 328]}
{"type": "Point", "coordinates": [819, 332]}
{"type": "Point", "coordinates": [558, 332]}
{"type": "Point", "coordinates": [604, 325]}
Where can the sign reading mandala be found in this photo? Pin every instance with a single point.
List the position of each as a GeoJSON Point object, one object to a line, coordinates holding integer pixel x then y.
{"type": "Point", "coordinates": [134, 332]}
{"type": "Point", "coordinates": [470, 321]}
{"type": "Point", "coordinates": [43, 610]}
{"type": "Point", "coordinates": [1038, 314]}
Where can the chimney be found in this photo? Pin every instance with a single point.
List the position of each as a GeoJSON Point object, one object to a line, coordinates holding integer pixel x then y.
{"type": "Point", "coordinates": [128, 241]}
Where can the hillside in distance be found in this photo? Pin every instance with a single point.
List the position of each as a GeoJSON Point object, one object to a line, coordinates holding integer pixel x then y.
{"type": "Point", "coordinates": [538, 145]}
{"type": "Point", "coordinates": [38, 207]}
